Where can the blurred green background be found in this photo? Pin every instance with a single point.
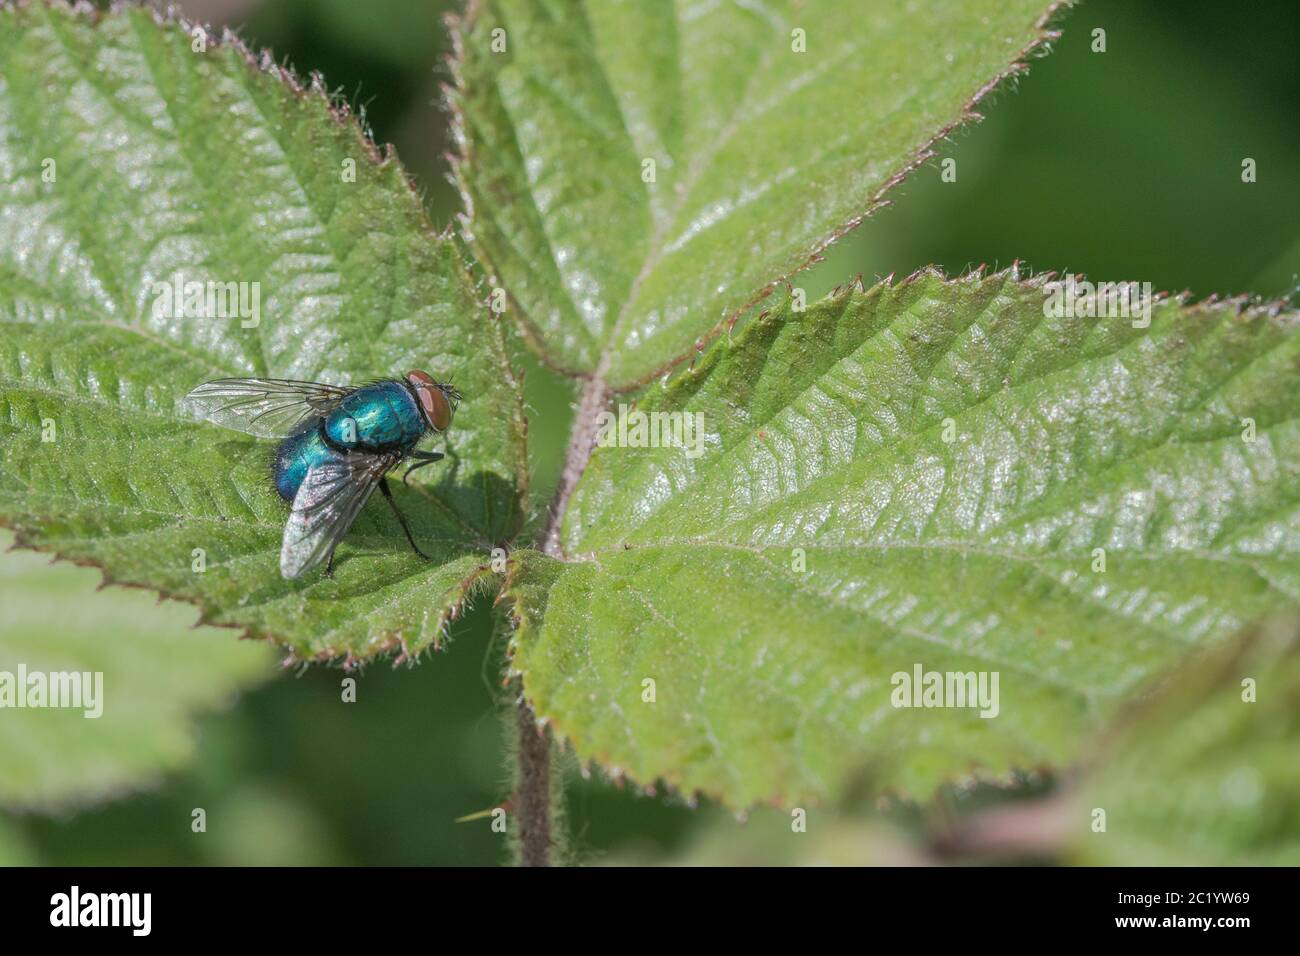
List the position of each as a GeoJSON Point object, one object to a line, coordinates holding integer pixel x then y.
{"type": "Point", "coordinates": [1125, 165]}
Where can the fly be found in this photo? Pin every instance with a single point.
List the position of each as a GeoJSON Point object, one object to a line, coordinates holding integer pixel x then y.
{"type": "Point", "coordinates": [337, 445]}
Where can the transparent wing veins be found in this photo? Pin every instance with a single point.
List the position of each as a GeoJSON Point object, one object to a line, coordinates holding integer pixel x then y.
{"type": "Point", "coordinates": [265, 407]}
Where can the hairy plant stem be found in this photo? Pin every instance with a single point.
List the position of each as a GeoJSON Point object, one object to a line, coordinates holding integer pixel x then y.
{"type": "Point", "coordinates": [532, 798]}
{"type": "Point", "coordinates": [582, 439]}
{"type": "Point", "coordinates": [533, 784]}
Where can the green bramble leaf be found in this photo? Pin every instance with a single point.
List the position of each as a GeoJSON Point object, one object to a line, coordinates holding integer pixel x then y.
{"type": "Point", "coordinates": [154, 676]}
{"type": "Point", "coordinates": [936, 474]}
{"type": "Point", "coordinates": [636, 174]}
{"type": "Point", "coordinates": [139, 153]}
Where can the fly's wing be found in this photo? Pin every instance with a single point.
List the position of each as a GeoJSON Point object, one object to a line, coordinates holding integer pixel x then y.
{"type": "Point", "coordinates": [266, 407]}
{"type": "Point", "coordinates": [329, 500]}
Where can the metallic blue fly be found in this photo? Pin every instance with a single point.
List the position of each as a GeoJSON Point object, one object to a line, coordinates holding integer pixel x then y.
{"type": "Point", "coordinates": [338, 445]}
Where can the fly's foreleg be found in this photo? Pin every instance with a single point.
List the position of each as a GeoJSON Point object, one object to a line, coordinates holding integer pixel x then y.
{"type": "Point", "coordinates": [422, 458]}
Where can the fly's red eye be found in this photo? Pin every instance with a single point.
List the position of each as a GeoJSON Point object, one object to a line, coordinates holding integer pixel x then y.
{"type": "Point", "coordinates": [436, 407]}
{"type": "Point", "coordinates": [433, 398]}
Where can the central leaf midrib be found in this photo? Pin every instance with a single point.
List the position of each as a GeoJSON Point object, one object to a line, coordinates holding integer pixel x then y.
{"type": "Point", "coordinates": [1087, 695]}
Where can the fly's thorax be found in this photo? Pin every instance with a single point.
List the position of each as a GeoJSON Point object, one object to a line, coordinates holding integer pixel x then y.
{"type": "Point", "coordinates": [379, 417]}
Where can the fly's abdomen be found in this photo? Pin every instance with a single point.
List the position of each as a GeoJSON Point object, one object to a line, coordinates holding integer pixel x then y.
{"type": "Point", "coordinates": [380, 417]}
{"type": "Point", "coordinates": [296, 455]}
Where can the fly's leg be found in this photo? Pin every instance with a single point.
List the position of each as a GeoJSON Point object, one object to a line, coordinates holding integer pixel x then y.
{"type": "Point", "coordinates": [422, 458]}
{"type": "Point", "coordinates": [388, 496]}
{"type": "Point", "coordinates": [329, 566]}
